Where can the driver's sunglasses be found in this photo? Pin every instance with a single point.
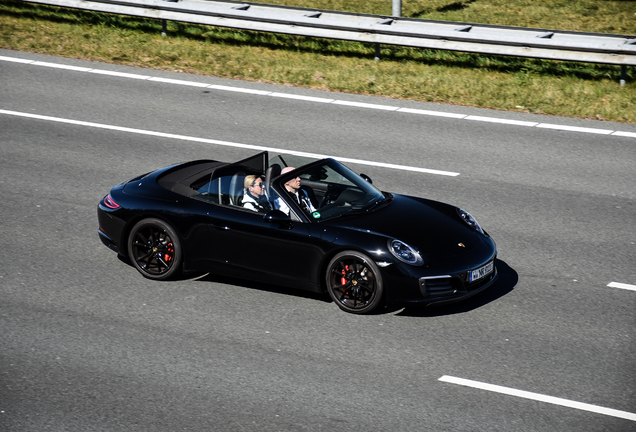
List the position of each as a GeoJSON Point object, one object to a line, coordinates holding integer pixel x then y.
{"type": "Point", "coordinates": [261, 184]}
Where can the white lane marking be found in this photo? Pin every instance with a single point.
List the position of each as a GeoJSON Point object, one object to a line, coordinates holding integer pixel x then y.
{"type": "Point", "coordinates": [180, 82]}
{"type": "Point", "coordinates": [301, 97]}
{"type": "Point", "coordinates": [226, 143]}
{"type": "Point", "coordinates": [432, 113]}
{"type": "Point", "coordinates": [16, 60]}
{"type": "Point", "coordinates": [622, 286]}
{"type": "Point", "coordinates": [574, 129]}
{"type": "Point", "coordinates": [540, 397]}
{"type": "Point", "coordinates": [61, 66]}
{"type": "Point", "coordinates": [365, 105]}
{"type": "Point", "coordinates": [119, 74]}
{"type": "Point", "coordinates": [502, 121]}
{"type": "Point", "coordinates": [625, 134]}
{"type": "Point", "coordinates": [240, 90]}
{"type": "Point", "coordinates": [326, 100]}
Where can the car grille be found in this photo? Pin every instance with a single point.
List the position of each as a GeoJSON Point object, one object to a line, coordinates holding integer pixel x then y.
{"type": "Point", "coordinates": [440, 286]}
{"type": "Point", "coordinates": [437, 286]}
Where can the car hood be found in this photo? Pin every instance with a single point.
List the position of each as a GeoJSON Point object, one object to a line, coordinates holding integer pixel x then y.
{"type": "Point", "coordinates": [429, 226]}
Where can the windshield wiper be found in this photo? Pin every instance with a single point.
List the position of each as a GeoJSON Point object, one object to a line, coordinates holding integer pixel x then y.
{"type": "Point", "coordinates": [381, 202]}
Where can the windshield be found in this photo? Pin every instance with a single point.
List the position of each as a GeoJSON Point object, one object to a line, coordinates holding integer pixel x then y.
{"type": "Point", "coordinates": [334, 190]}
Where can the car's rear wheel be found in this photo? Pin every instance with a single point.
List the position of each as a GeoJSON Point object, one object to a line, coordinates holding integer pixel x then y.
{"type": "Point", "coordinates": [154, 249]}
{"type": "Point", "coordinates": [354, 282]}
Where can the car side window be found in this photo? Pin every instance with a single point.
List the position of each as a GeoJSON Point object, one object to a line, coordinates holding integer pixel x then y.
{"type": "Point", "coordinates": [207, 190]}
{"type": "Point", "coordinates": [227, 190]}
{"type": "Point", "coordinates": [219, 190]}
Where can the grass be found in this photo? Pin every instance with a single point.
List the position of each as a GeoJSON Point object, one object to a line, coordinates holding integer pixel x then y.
{"type": "Point", "coordinates": [505, 83]}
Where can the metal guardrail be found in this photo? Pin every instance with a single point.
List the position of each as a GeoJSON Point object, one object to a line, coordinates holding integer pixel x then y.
{"type": "Point", "coordinates": [442, 35]}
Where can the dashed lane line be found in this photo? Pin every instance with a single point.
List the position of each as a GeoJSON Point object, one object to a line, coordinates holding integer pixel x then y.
{"type": "Point", "coordinates": [622, 286]}
{"type": "Point", "coordinates": [539, 397]}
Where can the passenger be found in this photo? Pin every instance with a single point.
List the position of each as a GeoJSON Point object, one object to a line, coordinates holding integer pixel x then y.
{"type": "Point", "coordinates": [254, 195]}
{"type": "Point", "coordinates": [298, 194]}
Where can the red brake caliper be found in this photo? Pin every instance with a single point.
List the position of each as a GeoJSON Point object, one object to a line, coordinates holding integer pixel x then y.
{"type": "Point", "coordinates": [168, 255]}
{"type": "Point", "coordinates": [343, 279]}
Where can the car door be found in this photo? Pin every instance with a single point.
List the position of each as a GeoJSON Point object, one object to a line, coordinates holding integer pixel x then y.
{"type": "Point", "coordinates": [248, 245]}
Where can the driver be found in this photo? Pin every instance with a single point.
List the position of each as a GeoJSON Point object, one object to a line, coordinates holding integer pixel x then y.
{"type": "Point", "coordinates": [295, 191]}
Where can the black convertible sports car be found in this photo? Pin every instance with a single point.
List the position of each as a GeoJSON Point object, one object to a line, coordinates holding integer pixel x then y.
{"type": "Point", "coordinates": [343, 235]}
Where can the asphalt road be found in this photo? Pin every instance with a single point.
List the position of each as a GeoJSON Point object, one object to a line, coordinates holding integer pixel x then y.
{"type": "Point", "coordinates": [87, 344]}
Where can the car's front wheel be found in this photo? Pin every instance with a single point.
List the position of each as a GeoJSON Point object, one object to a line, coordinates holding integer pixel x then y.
{"type": "Point", "coordinates": [154, 249]}
{"type": "Point", "coordinates": [354, 282]}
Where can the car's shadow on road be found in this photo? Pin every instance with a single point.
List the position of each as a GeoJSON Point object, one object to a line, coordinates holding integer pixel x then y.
{"type": "Point", "coordinates": [506, 282]}
{"type": "Point", "coordinates": [262, 286]}
{"type": "Point", "coordinates": [238, 282]}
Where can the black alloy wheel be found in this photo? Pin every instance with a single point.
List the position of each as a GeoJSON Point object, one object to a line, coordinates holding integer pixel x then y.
{"type": "Point", "coordinates": [354, 282]}
{"type": "Point", "coordinates": [154, 249]}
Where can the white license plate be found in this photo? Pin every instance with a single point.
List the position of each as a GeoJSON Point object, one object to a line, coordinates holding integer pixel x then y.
{"type": "Point", "coordinates": [481, 272]}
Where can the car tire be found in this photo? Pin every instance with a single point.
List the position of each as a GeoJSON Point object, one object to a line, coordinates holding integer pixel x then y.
{"type": "Point", "coordinates": [354, 282]}
{"type": "Point", "coordinates": [154, 249]}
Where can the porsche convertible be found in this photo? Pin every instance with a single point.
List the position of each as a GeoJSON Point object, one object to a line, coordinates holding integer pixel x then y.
{"type": "Point", "coordinates": [366, 248]}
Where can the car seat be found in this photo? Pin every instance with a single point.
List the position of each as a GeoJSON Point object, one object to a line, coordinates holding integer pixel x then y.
{"type": "Point", "coordinates": [271, 173]}
{"type": "Point", "coordinates": [236, 188]}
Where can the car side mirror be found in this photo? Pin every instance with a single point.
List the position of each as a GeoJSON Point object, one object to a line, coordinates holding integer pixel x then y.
{"type": "Point", "coordinates": [277, 216]}
{"type": "Point", "coordinates": [366, 178]}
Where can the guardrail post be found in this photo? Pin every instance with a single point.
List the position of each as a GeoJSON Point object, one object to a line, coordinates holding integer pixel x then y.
{"type": "Point", "coordinates": [377, 52]}
{"type": "Point", "coordinates": [623, 75]}
{"type": "Point", "coordinates": [397, 8]}
{"type": "Point", "coordinates": [164, 24]}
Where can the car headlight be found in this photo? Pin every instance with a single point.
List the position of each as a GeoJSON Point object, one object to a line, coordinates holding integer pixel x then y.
{"type": "Point", "coordinates": [470, 220]}
{"type": "Point", "coordinates": [405, 253]}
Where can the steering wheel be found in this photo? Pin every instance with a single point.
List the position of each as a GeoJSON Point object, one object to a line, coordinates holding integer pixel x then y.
{"type": "Point", "coordinates": [332, 194]}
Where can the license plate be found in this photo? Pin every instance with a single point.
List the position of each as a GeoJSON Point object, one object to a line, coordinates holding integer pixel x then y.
{"type": "Point", "coordinates": [481, 272]}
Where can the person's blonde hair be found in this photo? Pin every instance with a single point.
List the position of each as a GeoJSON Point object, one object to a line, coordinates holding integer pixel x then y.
{"type": "Point", "coordinates": [249, 180]}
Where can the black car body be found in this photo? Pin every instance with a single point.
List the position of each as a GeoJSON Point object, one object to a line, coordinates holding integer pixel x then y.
{"type": "Point", "coordinates": [363, 246]}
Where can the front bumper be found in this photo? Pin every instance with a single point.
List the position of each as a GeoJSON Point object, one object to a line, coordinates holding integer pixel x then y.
{"type": "Point", "coordinates": [407, 285]}
{"type": "Point", "coordinates": [443, 290]}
